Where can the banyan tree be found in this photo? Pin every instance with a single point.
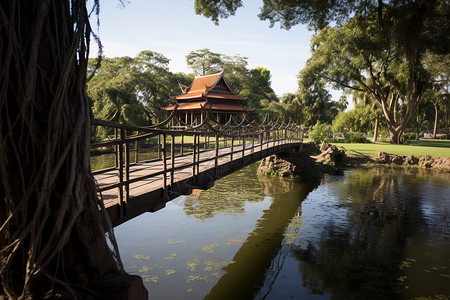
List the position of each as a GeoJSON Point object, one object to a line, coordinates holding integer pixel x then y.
{"type": "Point", "coordinates": [53, 236]}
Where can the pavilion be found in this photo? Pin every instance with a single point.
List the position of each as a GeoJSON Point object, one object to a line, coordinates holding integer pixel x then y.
{"type": "Point", "coordinates": [208, 93]}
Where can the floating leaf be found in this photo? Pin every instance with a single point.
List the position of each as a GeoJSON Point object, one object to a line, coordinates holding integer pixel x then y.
{"type": "Point", "coordinates": [170, 272]}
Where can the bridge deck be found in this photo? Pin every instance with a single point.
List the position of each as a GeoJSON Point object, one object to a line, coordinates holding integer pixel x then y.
{"type": "Point", "coordinates": [150, 193]}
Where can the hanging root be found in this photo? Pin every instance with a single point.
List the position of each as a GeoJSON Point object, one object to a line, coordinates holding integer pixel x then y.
{"type": "Point", "coordinates": [51, 232]}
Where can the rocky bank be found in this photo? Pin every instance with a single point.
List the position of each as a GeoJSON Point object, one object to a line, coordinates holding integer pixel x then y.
{"type": "Point", "coordinates": [313, 161]}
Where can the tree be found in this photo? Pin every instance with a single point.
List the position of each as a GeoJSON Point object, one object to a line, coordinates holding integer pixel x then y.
{"type": "Point", "coordinates": [317, 103]}
{"type": "Point", "coordinates": [376, 44]}
{"type": "Point", "coordinates": [133, 90]}
{"type": "Point", "coordinates": [358, 119]}
{"type": "Point", "coordinates": [320, 132]}
{"type": "Point", "coordinates": [236, 72]}
{"type": "Point", "coordinates": [258, 91]}
{"type": "Point", "coordinates": [204, 62]}
{"type": "Point", "coordinates": [342, 103]}
{"type": "Point", "coordinates": [439, 67]}
{"type": "Point", "coordinates": [293, 107]}
{"type": "Point", "coordinates": [52, 234]}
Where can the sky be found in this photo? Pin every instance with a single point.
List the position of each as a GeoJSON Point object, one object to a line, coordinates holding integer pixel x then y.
{"type": "Point", "coordinates": [172, 28]}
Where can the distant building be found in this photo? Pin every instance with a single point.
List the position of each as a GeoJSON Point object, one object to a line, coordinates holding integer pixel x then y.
{"type": "Point", "coordinates": [210, 92]}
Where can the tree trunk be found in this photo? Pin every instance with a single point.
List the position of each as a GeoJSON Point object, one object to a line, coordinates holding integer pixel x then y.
{"type": "Point", "coordinates": [375, 131]}
{"type": "Point", "coordinates": [394, 136]}
{"type": "Point", "coordinates": [52, 234]}
{"type": "Point", "coordinates": [435, 119]}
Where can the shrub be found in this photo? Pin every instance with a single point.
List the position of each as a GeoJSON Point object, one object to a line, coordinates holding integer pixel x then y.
{"type": "Point", "coordinates": [332, 140]}
{"type": "Point", "coordinates": [409, 136]}
{"type": "Point", "coordinates": [320, 132]}
{"type": "Point", "coordinates": [355, 137]}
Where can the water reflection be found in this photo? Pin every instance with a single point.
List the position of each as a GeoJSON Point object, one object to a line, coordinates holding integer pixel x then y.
{"type": "Point", "coordinates": [247, 274]}
{"type": "Point", "coordinates": [369, 234]}
{"type": "Point", "coordinates": [377, 233]}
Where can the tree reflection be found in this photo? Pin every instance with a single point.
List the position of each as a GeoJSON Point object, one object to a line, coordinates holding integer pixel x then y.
{"type": "Point", "coordinates": [259, 253]}
{"type": "Point", "coordinates": [227, 196]}
{"type": "Point", "coordinates": [360, 258]}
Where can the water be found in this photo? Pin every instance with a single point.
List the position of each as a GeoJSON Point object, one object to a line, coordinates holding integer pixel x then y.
{"type": "Point", "coordinates": [373, 233]}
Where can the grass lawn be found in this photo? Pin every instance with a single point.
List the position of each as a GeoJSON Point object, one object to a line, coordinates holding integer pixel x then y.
{"type": "Point", "coordinates": [431, 147]}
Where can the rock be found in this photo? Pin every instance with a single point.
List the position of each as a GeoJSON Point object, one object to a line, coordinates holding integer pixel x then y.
{"type": "Point", "coordinates": [311, 148]}
{"type": "Point", "coordinates": [383, 158]}
{"type": "Point", "coordinates": [331, 155]}
{"type": "Point", "coordinates": [397, 159]}
{"type": "Point", "coordinates": [441, 163]}
{"type": "Point", "coordinates": [426, 161]}
{"type": "Point", "coordinates": [296, 165]}
{"type": "Point", "coordinates": [411, 160]}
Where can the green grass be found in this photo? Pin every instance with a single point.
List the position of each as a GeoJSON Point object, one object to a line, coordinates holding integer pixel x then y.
{"type": "Point", "coordinates": [431, 147]}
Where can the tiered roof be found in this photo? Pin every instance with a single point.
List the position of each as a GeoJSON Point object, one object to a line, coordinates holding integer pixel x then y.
{"type": "Point", "coordinates": [209, 92]}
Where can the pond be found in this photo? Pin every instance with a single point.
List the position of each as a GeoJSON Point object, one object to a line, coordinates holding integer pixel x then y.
{"type": "Point", "coordinates": [367, 233]}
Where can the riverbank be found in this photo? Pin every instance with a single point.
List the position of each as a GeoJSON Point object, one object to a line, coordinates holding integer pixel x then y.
{"type": "Point", "coordinates": [314, 161]}
{"type": "Point", "coordinates": [435, 163]}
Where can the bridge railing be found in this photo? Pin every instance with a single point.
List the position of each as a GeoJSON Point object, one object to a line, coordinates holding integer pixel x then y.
{"type": "Point", "coordinates": [191, 140]}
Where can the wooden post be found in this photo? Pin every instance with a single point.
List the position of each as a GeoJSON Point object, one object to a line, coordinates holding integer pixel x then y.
{"type": "Point", "coordinates": [194, 154]}
{"type": "Point", "coordinates": [159, 146]}
{"type": "Point", "coordinates": [243, 148]}
{"type": "Point", "coordinates": [116, 147]}
{"type": "Point", "coordinates": [136, 149]}
{"type": "Point", "coordinates": [182, 145]}
{"type": "Point", "coordinates": [120, 162]}
{"type": "Point", "coordinates": [172, 157]}
{"type": "Point", "coordinates": [198, 155]}
{"type": "Point", "coordinates": [253, 145]}
{"type": "Point", "coordinates": [261, 143]}
{"type": "Point", "coordinates": [232, 150]}
{"type": "Point", "coordinates": [164, 154]}
{"type": "Point", "coordinates": [216, 158]}
{"type": "Point", "coordinates": [127, 174]}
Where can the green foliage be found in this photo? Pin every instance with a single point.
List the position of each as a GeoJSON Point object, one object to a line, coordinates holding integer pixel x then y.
{"type": "Point", "coordinates": [375, 47]}
{"type": "Point", "coordinates": [320, 132]}
{"type": "Point", "coordinates": [204, 62]}
{"type": "Point", "coordinates": [355, 137]}
{"type": "Point", "coordinates": [408, 136]}
{"type": "Point", "coordinates": [333, 140]}
{"type": "Point", "coordinates": [358, 119]}
{"type": "Point", "coordinates": [131, 90]}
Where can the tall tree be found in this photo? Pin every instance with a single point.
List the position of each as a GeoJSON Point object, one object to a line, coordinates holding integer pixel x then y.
{"type": "Point", "coordinates": [317, 103]}
{"type": "Point", "coordinates": [381, 39]}
{"type": "Point", "coordinates": [52, 235]}
{"type": "Point", "coordinates": [258, 90]}
{"type": "Point", "coordinates": [204, 62]}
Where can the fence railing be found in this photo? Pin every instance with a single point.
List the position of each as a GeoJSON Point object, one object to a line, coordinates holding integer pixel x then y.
{"type": "Point", "coordinates": [181, 140]}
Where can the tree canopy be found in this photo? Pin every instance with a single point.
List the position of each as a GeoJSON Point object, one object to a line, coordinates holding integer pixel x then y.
{"type": "Point", "coordinates": [373, 46]}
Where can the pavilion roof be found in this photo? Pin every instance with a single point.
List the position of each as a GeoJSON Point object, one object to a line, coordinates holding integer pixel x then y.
{"type": "Point", "coordinates": [209, 86]}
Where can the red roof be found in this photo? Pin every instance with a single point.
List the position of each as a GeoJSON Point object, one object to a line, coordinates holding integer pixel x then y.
{"type": "Point", "coordinates": [209, 86]}
{"type": "Point", "coordinates": [209, 92]}
{"type": "Point", "coordinates": [207, 105]}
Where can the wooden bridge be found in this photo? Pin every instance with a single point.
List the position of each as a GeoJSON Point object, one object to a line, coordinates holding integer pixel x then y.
{"type": "Point", "coordinates": [187, 157]}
